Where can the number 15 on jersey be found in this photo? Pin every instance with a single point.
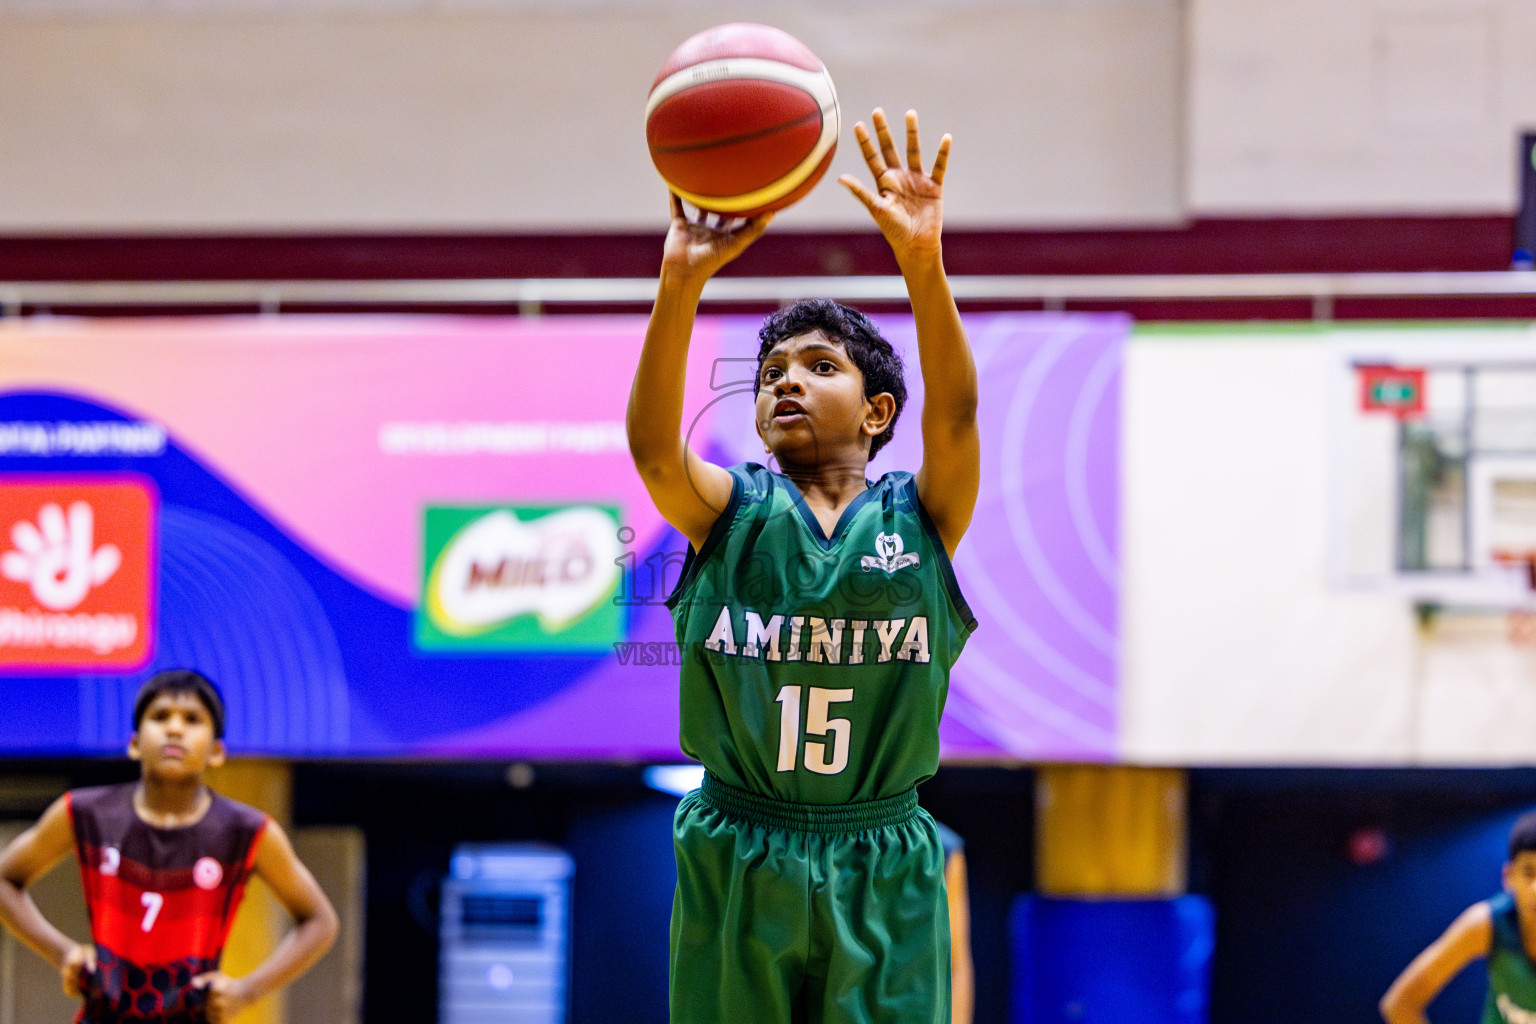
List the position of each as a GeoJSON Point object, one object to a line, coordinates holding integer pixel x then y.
{"type": "Point", "coordinates": [820, 756]}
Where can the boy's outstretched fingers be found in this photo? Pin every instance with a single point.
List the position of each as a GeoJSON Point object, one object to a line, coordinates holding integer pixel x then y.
{"type": "Point", "coordinates": [941, 161]}
{"type": "Point", "coordinates": [887, 145]}
{"type": "Point", "coordinates": [862, 194]}
{"type": "Point", "coordinates": [879, 151]}
{"type": "Point", "coordinates": [915, 151]}
{"type": "Point", "coordinates": [872, 157]}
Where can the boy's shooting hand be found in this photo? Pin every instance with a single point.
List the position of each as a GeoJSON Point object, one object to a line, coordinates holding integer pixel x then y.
{"type": "Point", "coordinates": [696, 249]}
{"type": "Point", "coordinates": [226, 996]}
{"type": "Point", "coordinates": [907, 204]}
{"type": "Point", "coordinates": [76, 970]}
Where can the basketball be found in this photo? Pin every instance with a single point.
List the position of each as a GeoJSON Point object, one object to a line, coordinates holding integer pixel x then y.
{"type": "Point", "coordinates": [742, 119]}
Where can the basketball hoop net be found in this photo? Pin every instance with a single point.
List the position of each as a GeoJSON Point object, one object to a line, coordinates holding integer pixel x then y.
{"type": "Point", "coordinates": [1522, 621]}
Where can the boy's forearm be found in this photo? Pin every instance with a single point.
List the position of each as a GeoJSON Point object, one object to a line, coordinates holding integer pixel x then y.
{"type": "Point", "coordinates": [944, 354]}
{"type": "Point", "coordinates": [1397, 1012]}
{"type": "Point", "coordinates": [299, 950]}
{"type": "Point", "coordinates": [655, 415]}
{"type": "Point", "coordinates": [22, 919]}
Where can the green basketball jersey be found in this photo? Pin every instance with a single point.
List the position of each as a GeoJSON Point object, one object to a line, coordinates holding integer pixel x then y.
{"type": "Point", "coordinates": [814, 669]}
{"type": "Point", "coordinates": [1511, 976]}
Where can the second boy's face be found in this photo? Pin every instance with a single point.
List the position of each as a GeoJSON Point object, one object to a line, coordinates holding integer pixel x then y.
{"type": "Point", "coordinates": [810, 399]}
{"type": "Point", "coordinates": [175, 738]}
{"type": "Point", "coordinates": [1520, 882]}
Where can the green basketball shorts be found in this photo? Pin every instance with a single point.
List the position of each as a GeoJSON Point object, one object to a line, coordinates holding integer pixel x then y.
{"type": "Point", "coordinates": [807, 914]}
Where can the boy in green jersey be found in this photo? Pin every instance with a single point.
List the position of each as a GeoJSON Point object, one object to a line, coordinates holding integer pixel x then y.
{"type": "Point", "coordinates": [819, 617]}
{"type": "Point", "coordinates": [1501, 929]}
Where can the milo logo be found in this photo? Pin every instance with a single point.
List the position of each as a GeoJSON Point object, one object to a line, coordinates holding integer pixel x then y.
{"type": "Point", "coordinates": [504, 578]}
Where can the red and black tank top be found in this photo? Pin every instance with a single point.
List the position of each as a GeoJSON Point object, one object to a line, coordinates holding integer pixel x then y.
{"type": "Point", "coordinates": [161, 901]}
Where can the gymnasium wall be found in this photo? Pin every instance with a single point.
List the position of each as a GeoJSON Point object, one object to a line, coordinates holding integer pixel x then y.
{"type": "Point", "coordinates": [527, 116]}
{"type": "Point", "coordinates": [1322, 106]}
{"type": "Point", "coordinates": [522, 115]}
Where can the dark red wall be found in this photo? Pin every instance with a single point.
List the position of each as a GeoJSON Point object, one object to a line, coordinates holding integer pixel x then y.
{"type": "Point", "coordinates": [1222, 246]}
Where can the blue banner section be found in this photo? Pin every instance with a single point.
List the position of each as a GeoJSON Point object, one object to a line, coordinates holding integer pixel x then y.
{"type": "Point", "coordinates": [311, 663]}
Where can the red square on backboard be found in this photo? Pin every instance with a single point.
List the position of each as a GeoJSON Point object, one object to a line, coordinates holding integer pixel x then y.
{"type": "Point", "coordinates": [77, 571]}
{"type": "Point", "coordinates": [1394, 389]}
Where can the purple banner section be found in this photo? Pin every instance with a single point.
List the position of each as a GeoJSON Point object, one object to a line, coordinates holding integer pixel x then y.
{"type": "Point", "coordinates": [1040, 564]}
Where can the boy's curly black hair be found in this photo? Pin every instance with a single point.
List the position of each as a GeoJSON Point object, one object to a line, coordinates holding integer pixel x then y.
{"type": "Point", "coordinates": [872, 354]}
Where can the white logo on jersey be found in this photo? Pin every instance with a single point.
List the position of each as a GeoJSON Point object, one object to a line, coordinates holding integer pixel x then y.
{"type": "Point", "coordinates": [111, 857]}
{"type": "Point", "coordinates": [207, 873]}
{"type": "Point", "coordinates": [889, 556]}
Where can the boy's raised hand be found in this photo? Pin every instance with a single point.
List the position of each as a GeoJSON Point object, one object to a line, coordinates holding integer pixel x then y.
{"type": "Point", "coordinates": [696, 249]}
{"type": "Point", "coordinates": [907, 204]}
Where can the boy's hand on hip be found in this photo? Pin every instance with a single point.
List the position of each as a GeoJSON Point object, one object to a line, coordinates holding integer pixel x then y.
{"type": "Point", "coordinates": [226, 996]}
{"type": "Point", "coordinates": [76, 970]}
{"type": "Point", "coordinates": [907, 204]}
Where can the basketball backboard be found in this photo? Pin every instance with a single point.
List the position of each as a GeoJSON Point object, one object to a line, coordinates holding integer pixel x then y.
{"type": "Point", "coordinates": [1433, 452]}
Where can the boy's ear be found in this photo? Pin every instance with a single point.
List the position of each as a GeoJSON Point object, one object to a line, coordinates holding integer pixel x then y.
{"type": "Point", "coordinates": [133, 747]}
{"type": "Point", "coordinates": [881, 411]}
{"type": "Point", "coordinates": [219, 755]}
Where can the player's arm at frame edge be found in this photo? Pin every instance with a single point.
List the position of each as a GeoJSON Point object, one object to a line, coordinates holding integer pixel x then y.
{"type": "Point", "coordinates": [1468, 938]}
{"type": "Point", "coordinates": [28, 857]}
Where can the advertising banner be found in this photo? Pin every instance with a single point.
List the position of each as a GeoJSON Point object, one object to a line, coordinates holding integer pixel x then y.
{"type": "Point", "coordinates": [423, 536]}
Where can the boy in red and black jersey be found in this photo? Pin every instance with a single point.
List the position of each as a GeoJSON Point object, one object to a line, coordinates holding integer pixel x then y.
{"type": "Point", "coordinates": [164, 862]}
{"type": "Point", "coordinates": [161, 900]}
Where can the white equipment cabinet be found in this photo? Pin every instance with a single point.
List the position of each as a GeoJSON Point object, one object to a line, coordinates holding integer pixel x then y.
{"type": "Point", "coordinates": [505, 935]}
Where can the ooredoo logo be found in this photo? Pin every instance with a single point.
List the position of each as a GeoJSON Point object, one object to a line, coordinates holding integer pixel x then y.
{"type": "Point", "coordinates": [75, 578]}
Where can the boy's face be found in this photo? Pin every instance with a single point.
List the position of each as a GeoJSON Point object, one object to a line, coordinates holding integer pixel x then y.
{"type": "Point", "coordinates": [810, 401]}
{"type": "Point", "coordinates": [175, 737]}
{"type": "Point", "coordinates": [1520, 882]}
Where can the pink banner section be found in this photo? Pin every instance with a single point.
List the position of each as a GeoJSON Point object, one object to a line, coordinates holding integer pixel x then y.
{"type": "Point", "coordinates": [342, 429]}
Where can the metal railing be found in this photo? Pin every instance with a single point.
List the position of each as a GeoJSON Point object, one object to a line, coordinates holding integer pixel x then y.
{"type": "Point", "coordinates": [531, 295]}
